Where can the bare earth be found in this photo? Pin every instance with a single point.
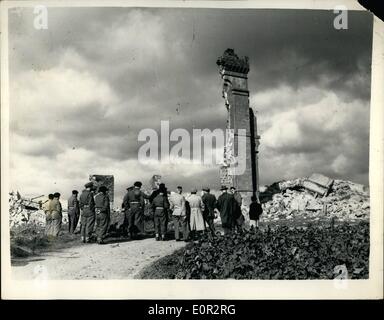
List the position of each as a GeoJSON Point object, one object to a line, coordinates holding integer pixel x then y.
{"type": "Point", "coordinates": [121, 260]}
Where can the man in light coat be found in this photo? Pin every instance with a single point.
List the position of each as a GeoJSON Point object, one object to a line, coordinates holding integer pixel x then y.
{"type": "Point", "coordinates": [56, 215]}
{"type": "Point", "coordinates": [177, 206]}
{"type": "Point", "coordinates": [196, 220]}
{"type": "Point", "coordinates": [48, 216]}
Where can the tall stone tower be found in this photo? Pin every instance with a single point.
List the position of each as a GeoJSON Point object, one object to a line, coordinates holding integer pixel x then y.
{"type": "Point", "coordinates": [234, 72]}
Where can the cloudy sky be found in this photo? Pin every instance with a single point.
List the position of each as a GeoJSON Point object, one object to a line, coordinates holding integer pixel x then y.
{"type": "Point", "coordinates": [81, 91]}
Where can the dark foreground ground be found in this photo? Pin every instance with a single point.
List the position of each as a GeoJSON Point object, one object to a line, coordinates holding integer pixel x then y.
{"type": "Point", "coordinates": [317, 250]}
{"type": "Point", "coordinates": [284, 249]}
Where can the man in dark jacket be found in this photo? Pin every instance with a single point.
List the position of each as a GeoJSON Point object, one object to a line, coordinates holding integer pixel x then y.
{"type": "Point", "coordinates": [73, 211]}
{"type": "Point", "coordinates": [209, 201]}
{"type": "Point", "coordinates": [225, 205]}
{"type": "Point", "coordinates": [133, 204]}
{"type": "Point", "coordinates": [160, 206]}
{"type": "Point", "coordinates": [238, 216]}
{"type": "Point", "coordinates": [102, 208]}
{"type": "Point", "coordinates": [255, 211]}
{"type": "Point", "coordinates": [88, 216]}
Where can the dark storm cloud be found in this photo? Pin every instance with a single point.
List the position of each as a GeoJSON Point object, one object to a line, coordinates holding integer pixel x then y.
{"type": "Point", "coordinates": [147, 65]}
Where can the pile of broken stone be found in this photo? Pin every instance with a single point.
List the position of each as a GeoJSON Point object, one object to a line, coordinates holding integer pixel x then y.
{"type": "Point", "coordinates": [316, 197]}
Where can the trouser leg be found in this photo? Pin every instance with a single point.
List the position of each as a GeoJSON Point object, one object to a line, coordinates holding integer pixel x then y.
{"type": "Point", "coordinates": [185, 226]}
{"type": "Point", "coordinates": [176, 224]}
{"type": "Point", "coordinates": [157, 225]}
{"type": "Point", "coordinates": [163, 223]}
{"type": "Point", "coordinates": [87, 226]}
{"type": "Point", "coordinates": [71, 223]}
{"type": "Point", "coordinates": [90, 226]}
{"type": "Point", "coordinates": [83, 222]}
{"type": "Point", "coordinates": [56, 226]}
{"type": "Point", "coordinates": [102, 222]}
{"type": "Point", "coordinates": [131, 221]}
{"type": "Point", "coordinates": [211, 226]}
{"type": "Point", "coordinates": [139, 221]}
{"type": "Point", "coordinates": [75, 221]}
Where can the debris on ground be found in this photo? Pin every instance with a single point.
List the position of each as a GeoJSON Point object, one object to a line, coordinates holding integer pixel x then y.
{"type": "Point", "coordinates": [24, 210]}
{"type": "Point", "coordinates": [315, 196]}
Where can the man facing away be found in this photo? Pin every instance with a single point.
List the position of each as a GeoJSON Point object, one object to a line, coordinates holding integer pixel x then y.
{"type": "Point", "coordinates": [48, 217]}
{"type": "Point", "coordinates": [238, 216]}
{"type": "Point", "coordinates": [56, 215]}
{"type": "Point", "coordinates": [177, 206]}
{"type": "Point", "coordinates": [88, 216]}
{"type": "Point", "coordinates": [225, 205]}
{"type": "Point", "coordinates": [196, 220]}
{"type": "Point", "coordinates": [160, 206]}
{"type": "Point", "coordinates": [73, 211]}
{"type": "Point", "coordinates": [102, 209]}
{"type": "Point", "coordinates": [255, 211]}
{"type": "Point", "coordinates": [209, 201]}
{"type": "Point", "coordinates": [134, 204]}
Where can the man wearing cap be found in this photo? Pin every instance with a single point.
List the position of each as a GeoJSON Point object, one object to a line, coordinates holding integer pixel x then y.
{"type": "Point", "coordinates": [133, 204]}
{"type": "Point", "coordinates": [177, 206]}
{"type": "Point", "coordinates": [102, 209]}
{"type": "Point", "coordinates": [196, 220]}
{"type": "Point", "coordinates": [56, 215]}
{"type": "Point", "coordinates": [73, 211]}
{"type": "Point", "coordinates": [87, 206]}
{"type": "Point", "coordinates": [225, 205]}
{"type": "Point", "coordinates": [160, 207]}
{"type": "Point", "coordinates": [238, 216]}
{"type": "Point", "coordinates": [209, 201]}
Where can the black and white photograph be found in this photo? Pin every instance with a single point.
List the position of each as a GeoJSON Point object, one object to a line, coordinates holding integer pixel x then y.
{"type": "Point", "coordinates": [183, 142]}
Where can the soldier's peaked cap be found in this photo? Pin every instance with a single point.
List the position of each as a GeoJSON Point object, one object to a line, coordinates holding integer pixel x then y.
{"type": "Point", "coordinates": [224, 188]}
{"type": "Point", "coordinates": [138, 184]}
{"type": "Point", "coordinates": [88, 185]}
{"type": "Point", "coordinates": [103, 189]}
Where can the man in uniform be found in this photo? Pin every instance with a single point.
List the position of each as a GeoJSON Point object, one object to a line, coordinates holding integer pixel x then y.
{"type": "Point", "coordinates": [56, 215]}
{"type": "Point", "coordinates": [48, 218]}
{"type": "Point", "coordinates": [133, 204]}
{"type": "Point", "coordinates": [225, 205]}
{"type": "Point", "coordinates": [87, 206]}
{"type": "Point", "coordinates": [102, 208]}
{"type": "Point", "coordinates": [160, 206]}
{"type": "Point", "coordinates": [73, 211]}
{"type": "Point", "coordinates": [209, 201]}
{"type": "Point", "coordinates": [177, 206]}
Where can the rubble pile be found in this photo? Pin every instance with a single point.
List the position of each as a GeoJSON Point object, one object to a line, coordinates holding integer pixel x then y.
{"type": "Point", "coordinates": [23, 210]}
{"type": "Point", "coordinates": [305, 197]}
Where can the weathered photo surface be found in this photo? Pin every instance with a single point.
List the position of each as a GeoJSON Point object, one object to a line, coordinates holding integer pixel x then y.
{"type": "Point", "coordinates": [189, 143]}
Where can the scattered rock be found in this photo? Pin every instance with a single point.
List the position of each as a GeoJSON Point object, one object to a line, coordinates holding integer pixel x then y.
{"type": "Point", "coordinates": [343, 200]}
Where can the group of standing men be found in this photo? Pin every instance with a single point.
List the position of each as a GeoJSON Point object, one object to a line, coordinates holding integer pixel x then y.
{"type": "Point", "coordinates": [191, 215]}
{"type": "Point", "coordinates": [95, 208]}
{"type": "Point", "coordinates": [53, 215]}
{"type": "Point", "coordinates": [188, 214]}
